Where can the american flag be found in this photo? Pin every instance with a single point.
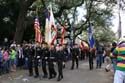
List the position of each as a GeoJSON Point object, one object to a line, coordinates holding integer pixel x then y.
{"type": "Point", "coordinates": [38, 36]}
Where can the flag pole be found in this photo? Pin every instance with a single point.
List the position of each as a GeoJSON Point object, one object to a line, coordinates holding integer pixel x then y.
{"type": "Point", "coordinates": [119, 26]}
{"type": "Point", "coordinates": [36, 32]}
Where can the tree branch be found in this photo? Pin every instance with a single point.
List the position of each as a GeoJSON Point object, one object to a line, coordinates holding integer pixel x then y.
{"type": "Point", "coordinates": [44, 5]}
{"type": "Point", "coordinates": [81, 28]}
{"type": "Point", "coordinates": [65, 7]}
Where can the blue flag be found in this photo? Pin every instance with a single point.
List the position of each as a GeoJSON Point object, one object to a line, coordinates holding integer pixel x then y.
{"type": "Point", "coordinates": [91, 39]}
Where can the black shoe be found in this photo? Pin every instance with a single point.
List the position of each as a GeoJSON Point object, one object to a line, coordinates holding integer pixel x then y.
{"type": "Point", "coordinates": [54, 76]}
{"type": "Point", "coordinates": [71, 68]}
{"type": "Point", "coordinates": [61, 77]}
{"type": "Point", "coordinates": [30, 74]}
{"type": "Point", "coordinates": [64, 66]}
{"type": "Point", "coordinates": [50, 77]}
{"type": "Point", "coordinates": [107, 70]}
{"type": "Point", "coordinates": [58, 79]}
{"type": "Point", "coordinates": [45, 76]}
{"type": "Point", "coordinates": [36, 76]}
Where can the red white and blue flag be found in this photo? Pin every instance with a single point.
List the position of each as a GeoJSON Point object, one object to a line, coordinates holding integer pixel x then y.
{"type": "Point", "coordinates": [50, 28]}
{"type": "Point", "coordinates": [38, 36]}
{"type": "Point", "coordinates": [62, 34]}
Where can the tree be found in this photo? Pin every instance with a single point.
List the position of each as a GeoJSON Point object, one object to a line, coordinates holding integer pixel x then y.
{"type": "Point", "coordinates": [24, 12]}
{"type": "Point", "coordinates": [24, 6]}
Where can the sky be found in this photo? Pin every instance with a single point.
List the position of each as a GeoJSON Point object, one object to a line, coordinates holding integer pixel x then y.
{"type": "Point", "coordinates": [115, 19]}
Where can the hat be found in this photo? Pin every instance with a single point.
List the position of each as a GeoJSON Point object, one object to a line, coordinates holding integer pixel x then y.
{"type": "Point", "coordinates": [114, 44]}
{"type": "Point", "coordinates": [121, 40]}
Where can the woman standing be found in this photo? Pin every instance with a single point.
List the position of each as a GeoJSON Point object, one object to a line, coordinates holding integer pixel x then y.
{"type": "Point", "coordinates": [6, 60]}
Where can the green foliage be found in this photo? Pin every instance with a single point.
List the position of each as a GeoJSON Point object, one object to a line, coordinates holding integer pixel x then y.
{"type": "Point", "coordinates": [9, 10]}
{"type": "Point", "coordinates": [100, 12]}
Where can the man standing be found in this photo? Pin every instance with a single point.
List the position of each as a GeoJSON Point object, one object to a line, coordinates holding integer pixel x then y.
{"type": "Point", "coordinates": [114, 59]}
{"type": "Point", "coordinates": [99, 53]}
{"type": "Point", "coordinates": [119, 53]}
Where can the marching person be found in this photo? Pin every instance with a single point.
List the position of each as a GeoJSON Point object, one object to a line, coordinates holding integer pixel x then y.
{"type": "Point", "coordinates": [37, 57]}
{"type": "Point", "coordinates": [51, 60]}
{"type": "Point", "coordinates": [91, 56]}
{"type": "Point", "coordinates": [75, 56]}
{"type": "Point", "coordinates": [29, 53]}
{"type": "Point", "coordinates": [45, 53]}
{"type": "Point", "coordinates": [59, 59]}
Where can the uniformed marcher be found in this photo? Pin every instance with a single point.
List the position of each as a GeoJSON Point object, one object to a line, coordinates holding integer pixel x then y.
{"type": "Point", "coordinates": [37, 57]}
{"type": "Point", "coordinates": [29, 52]}
{"type": "Point", "coordinates": [91, 59]}
{"type": "Point", "coordinates": [45, 53]}
{"type": "Point", "coordinates": [60, 59]}
{"type": "Point", "coordinates": [51, 60]}
{"type": "Point", "coordinates": [75, 56]}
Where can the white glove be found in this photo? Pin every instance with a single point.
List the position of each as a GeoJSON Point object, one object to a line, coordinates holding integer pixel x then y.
{"type": "Point", "coordinates": [26, 59]}
{"type": "Point", "coordinates": [45, 57]}
{"type": "Point", "coordinates": [38, 57]}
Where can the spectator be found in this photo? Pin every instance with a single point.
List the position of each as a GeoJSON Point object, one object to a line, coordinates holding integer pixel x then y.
{"type": "Point", "coordinates": [5, 60]}
{"type": "Point", "coordinates": [119, 53]}
{"type": "Point", "coordinates": [100, 51]}
{"type": "Point", "coordinates": [20, 56]}
{"type": "Point", "coordinates": [114, 60]}
{"type": "Point", "coordinates": [13, 54]}
{"type": "Point", "coordinates": [0, 60]}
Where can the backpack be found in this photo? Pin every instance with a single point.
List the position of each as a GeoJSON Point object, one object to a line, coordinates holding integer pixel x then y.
{"type": "Point", "coordinates": [100, 49]}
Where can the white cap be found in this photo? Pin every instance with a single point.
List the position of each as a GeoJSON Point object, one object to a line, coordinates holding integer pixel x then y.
{"type": "Point", "coordinates": [121, 40]}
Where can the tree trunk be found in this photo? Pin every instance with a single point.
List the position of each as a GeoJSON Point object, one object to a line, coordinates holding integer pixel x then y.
{"type": "Point", "coordinates": [21, 20]}
{"type": "Point", "coordinates": [20, 27]}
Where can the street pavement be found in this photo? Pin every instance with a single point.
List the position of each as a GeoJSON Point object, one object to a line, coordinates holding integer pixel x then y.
{"type": "Point", "coordinates": [81, 75]}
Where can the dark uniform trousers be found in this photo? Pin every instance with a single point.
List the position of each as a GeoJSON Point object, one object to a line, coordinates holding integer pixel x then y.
{"type": "Point", "coordinates": [44, 68]}
{"type": "Point", "coordinates": [52, 72]}
{"type": "Point", "coordinates": [36, 66]}
{"type": "Point", "coordinates": [90, 61]}
{"type": "Point", "coordinates": [75, 59]}
{"type": "Point", "coordinates": [75, 54]}
{"type": "Point", "coordinates": [30, 66]}
{"type": "Point", "coordinates": [60, 69]}
{"type": "Point", "coordinates": [44, 60]}
{"type": "Point", "coordinates": [60, 59]}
